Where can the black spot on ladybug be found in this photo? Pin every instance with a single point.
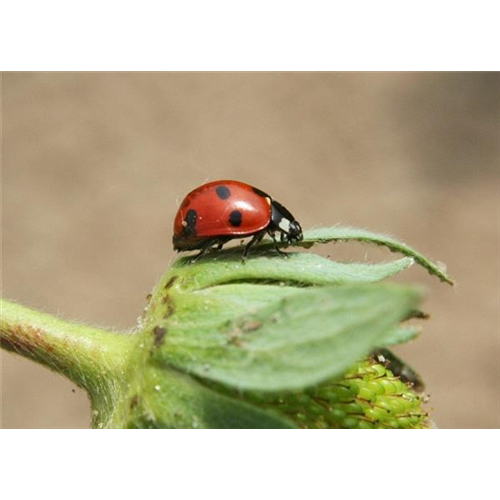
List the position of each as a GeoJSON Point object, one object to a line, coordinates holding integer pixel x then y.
{"type": "Point", "coordinates": [260, 193]}
{"type": "Point", "coordinates": [159, 333]}
{"type": "Point", "coordinates": [235, 218]}
{"type": "Point", "coordinates": [190, 220]}
{"type": "Point", "coordinates": [223, 192]}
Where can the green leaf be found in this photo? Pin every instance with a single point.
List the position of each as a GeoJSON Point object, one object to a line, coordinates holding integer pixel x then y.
{"type": "Point", "coordinates": [401, 335]}
{"type": "Point", "coordinates": [339, 233]}
{"type": "Point", "coordinates": [300, 339]}
{"type": "Point", "coordinates": [165, 399]}
{"type": "Point", "coordinates": [299, 269]}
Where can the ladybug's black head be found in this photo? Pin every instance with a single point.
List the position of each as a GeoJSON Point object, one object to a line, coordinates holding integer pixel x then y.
{"type": "Point", "coordinates": [294, 232]}
{"type": "Point", "coordinates": [283, 221]}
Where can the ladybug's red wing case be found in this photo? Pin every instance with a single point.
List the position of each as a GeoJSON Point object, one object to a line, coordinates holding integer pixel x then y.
{"type": "Point", "coordinates": [221, 209]}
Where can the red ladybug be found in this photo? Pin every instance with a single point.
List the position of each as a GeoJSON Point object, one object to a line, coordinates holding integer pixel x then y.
{"type": "Point", "coordinates": [220, 211]}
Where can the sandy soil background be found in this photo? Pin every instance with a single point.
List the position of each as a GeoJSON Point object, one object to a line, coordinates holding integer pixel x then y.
{"type": "Point", "coordinates": [95, 164]}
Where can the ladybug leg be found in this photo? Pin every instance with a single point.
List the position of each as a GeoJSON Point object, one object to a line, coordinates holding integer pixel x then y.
{"type": "Point", "coordinates": [206, 247]}
{"type": "Point", "coordinates": [276, 247]}
{"type": "Point", "coordinates": [257, 237]}
{"type": "Point", "coordinates": [220, 242]}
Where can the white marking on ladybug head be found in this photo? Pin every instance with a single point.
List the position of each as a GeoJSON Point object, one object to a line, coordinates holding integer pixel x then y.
{"type": "Point", "coordinates": [284, 225]}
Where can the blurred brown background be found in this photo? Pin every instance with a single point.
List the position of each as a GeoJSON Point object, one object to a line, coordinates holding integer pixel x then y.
{"type": "Point", "coordinates": [94, 165]}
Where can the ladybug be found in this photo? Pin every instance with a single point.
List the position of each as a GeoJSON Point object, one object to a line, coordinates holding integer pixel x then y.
{"type": "Point", "coordinates": [220, 211]}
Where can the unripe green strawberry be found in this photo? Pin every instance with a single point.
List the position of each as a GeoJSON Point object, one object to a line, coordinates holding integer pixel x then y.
{"type": "Point", "coordinates": [368, 396]}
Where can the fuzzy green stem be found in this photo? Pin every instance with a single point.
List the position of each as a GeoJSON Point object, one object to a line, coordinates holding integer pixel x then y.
{"type": "Point", "coordinates": [84, 354]}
